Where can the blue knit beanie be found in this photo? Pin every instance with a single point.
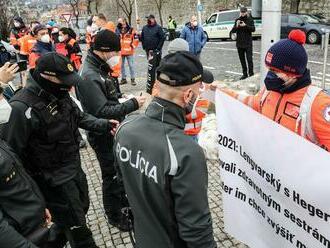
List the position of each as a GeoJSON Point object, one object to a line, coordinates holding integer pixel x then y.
{"type": "Point", "coordinates": [289, 55]}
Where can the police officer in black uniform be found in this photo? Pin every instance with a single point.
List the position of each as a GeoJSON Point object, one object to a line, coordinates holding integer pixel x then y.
{"type": "Point", "coordinates": [164, 171]}
{"type": "Point", "coordinates": [24, 219]}
{"type": "Point", "coordinates": [99, 95]}
{"type": "Point", "coordinates": [43, 131]}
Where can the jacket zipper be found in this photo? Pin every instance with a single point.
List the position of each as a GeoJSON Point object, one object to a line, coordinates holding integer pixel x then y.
{"type": "Point", "coordinates": [277, 107]}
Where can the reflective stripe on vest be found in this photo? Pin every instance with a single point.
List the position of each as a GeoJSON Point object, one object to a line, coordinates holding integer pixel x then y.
{"type": "Point", "coordinates": [305, 114]}
{"type": "Point", "coordinates": [196, 125]}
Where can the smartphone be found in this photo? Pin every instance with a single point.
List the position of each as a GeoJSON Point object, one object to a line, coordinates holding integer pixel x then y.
{"type": "Point", "coordinates": [241, 22]}
{"type": "Point", "coordinates": [22, 65]}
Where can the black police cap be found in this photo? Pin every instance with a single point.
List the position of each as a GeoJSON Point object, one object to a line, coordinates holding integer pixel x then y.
{"type": "Point", "coordinates": [183, 69]}
{"type": "Point", "coordinates": [57, 65]}
{"type": "Point", "coordinates": [106, 41]}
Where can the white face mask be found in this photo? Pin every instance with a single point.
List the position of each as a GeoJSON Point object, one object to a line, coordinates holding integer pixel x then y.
{"type": "Point", "coordinates": [113, 61]}
{"type": "Point", "coordinates": [17, 24]}
{"type": "Point", "coordinates": [94, 27]}
{"type": "Point", "coordinates": [45, 38]}
{"type": "Point", "coordinates": [195, 23]}
{"type": "Point", "coordinates": [5, 111]}
{"type": "Point", "coordinates": [61, 38]}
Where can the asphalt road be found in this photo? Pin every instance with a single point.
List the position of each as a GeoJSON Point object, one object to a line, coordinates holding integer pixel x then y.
{"type": "Point", "coordinates": [222, 59]}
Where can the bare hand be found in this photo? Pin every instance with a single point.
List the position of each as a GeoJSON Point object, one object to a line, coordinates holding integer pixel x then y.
{"type": "Point", "coordinates": [48, 217]}
{"type": "Point", "coordinates": [238, 22]}
{"type": "Point", "coordinates": [7, 72]}
{"type": "Point", "coordinates": [114, 126]}
{"type": "Point", "coordinates": [242, 24]}
{"type": "Point", "coordinates": [141, 100]}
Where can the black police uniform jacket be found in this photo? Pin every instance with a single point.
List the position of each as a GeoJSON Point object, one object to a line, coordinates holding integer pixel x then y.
{"type": "Point", "coordinates": [43, 131]}
{"type": "Point", "coordinates": [165, 177]}
{"type": "Point", "coordinates": [22, 206]}
{"type": "Point", "coordinates": [98, 93]}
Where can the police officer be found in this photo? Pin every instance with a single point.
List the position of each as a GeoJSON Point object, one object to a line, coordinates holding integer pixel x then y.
{"type": "Point", "coordinates": [166, 177]}
{"type": "Point", "coordinates": [99, 95]}
{"type": "Point", "coordinates": [23, 214]}
{"type": "Point", "coordinates": [43, 131]}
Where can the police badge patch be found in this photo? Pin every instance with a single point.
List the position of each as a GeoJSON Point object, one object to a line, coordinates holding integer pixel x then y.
{"type": "Point", "coordinates": [326, 113]}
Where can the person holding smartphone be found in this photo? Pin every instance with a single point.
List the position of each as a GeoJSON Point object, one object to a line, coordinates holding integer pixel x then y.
{"type": "Point", "coordinates": [244, 27]}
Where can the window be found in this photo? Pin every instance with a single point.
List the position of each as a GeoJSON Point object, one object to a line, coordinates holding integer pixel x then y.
{"type": "Point", "coordinates": [229, 16]}
{"type": "Point", "coordinates": [295, 20]}
{"type": "Point", "coordinates": [212, 19]}
{"type": "Point", "coordinates": [284, 19]}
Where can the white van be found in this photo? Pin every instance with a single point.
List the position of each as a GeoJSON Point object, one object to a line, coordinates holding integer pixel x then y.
{"type": "Point", "coordinates": [220, 24]}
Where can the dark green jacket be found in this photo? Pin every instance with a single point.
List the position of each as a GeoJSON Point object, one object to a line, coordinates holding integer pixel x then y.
{"type": "Point", "coordinates": [99, 94]}
{"type": "Point", "coordinates": [165, 177]}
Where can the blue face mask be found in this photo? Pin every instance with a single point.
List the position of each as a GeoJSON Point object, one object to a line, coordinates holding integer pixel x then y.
{"type": "Point", "coordinates": [273, 82]}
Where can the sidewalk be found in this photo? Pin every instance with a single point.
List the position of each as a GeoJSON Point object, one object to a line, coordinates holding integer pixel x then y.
{"type": "Point", "coordinates": [108, 236]}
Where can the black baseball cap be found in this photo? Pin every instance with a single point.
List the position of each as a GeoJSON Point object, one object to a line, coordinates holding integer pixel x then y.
{"type": "Point", "coordinates": [151, 17]}
{"type": "Point", "coordinates": [57, 65]}
{"type": "Point", "coordinates": [243, 9]}
{"type": "Point", "coordinates": [106, 41]}
{"type": "Point", "coordinates": [183, 69]}
{"type": "Point", "coordinates": [38, 27]}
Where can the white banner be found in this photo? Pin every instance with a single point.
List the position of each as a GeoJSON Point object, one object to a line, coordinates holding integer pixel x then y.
{"type": "Point", "coordinates": [276, 185]}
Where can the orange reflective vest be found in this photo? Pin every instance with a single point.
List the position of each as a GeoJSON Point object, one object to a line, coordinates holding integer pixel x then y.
{"type": "Point", "coordinates": [305, 111]}
{"type": "Point", "coordinates": [195, 118]}
{"type": "Point", "coordinates": [88, 39]}
{"type": "Point", "coordinates": [75, 58]}
{"type": "Point", "coordinates": [110, 26]}
{"type": "Point", "coordinates": [116, 70]}
{"type": "Point", "coordinates": [128, 41]}
{"type": "Point", "coordinates": [15, 36]}
{"type": "Point", "coordinates": [27, 43]}
{"type": "Point", "coordinates": [33, 59]}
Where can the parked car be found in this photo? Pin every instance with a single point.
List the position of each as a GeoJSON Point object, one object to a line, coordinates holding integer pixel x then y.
{"type": "Point", "coordinates": [167, 34]}
{"type": "Point", "coordinates": [310, 24]}
{"type": "Point", "coordinates": [220, 24]}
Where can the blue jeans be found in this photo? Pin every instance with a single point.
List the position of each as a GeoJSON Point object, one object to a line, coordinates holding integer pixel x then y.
{"type": "Point", "coordinates": [130, 61]}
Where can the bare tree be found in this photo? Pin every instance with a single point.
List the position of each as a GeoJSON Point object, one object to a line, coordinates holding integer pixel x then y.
{"type": "Point", "coordinates": [97, 2]}
{"type": "Point", "coordinates": [294, 6]}
{"type": "Point", "coordinates": [89, 9]}
{"type": "Point", "coordinates": [159, 4]}
{"type": "Point", "coordinates": [4, 22]}
{"type": "Point", "coordinates": [89, 6]}
{"type": "Point", "coordinates": [75, 9]}
{"type": "Point", "coordinates": [127, 7]}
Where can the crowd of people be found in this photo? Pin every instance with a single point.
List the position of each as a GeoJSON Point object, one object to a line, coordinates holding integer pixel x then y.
{"type": "Point", "coordinates": [154, 173]}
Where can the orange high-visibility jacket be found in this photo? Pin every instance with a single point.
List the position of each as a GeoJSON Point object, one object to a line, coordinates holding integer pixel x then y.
{"type": "Point", "coordinates": [110, 26]}
{"type": "Point", "coordinates": [16, 35]}
{"type": "Point", "coordinates": [285, 109]}
{"type": "Point", "coordinates": [129, 41]}
{"type": "Point", "coordinates": [27, 43]}
{"type": "Point", "coordinates": [33, 57]}
{"type": "Point", "coordinates": [75, 58]}
{"type": "Point", "coordinates": [194, 120]}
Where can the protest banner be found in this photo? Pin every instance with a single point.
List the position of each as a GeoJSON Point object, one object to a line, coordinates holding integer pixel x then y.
{"type": "Point", "coordinates": [275, 184]}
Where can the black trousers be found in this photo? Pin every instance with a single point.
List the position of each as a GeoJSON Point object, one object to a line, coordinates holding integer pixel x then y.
{"type": "Point", "coordinates": [153, 62]}
{"type": "Point", "coordinates": [171, 34]}
{"type": "Point", "coordinates": [68, 204]}
{"type": "Point", "coordinates": [245, 54]}
{"type": "Point", "coordinates": [113, 189]}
